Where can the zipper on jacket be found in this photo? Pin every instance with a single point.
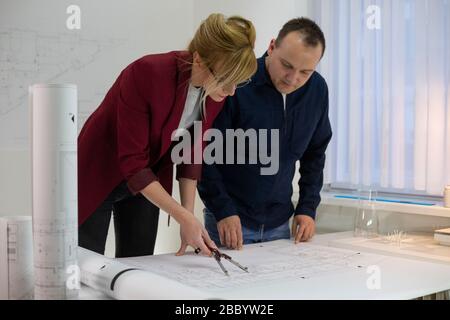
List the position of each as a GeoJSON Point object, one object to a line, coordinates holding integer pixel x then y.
{"type": "Point", "coordinates": [284, 96]}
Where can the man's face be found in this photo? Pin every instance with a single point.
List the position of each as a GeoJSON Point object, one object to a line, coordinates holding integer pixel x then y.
{"type": "Point", "coordinates": [291, 64]}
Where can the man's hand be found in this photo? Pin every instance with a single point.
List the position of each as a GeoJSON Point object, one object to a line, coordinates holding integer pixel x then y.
{"type": "Point", "coordinates": [230, 232]}
{"type": "Point", "coordinates": [303, 228]}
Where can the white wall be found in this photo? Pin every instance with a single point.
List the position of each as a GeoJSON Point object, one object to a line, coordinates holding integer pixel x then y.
{"type": "Point", "coordinates": [268, 16]}
{"type": "Point", "coordinates": [36, 46]}
{"type": "Point", "coordinates": [15, 183]}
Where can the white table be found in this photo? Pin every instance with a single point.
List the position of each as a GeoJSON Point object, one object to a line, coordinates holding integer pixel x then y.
{"type": "Point", "coordinates": [399, 277]}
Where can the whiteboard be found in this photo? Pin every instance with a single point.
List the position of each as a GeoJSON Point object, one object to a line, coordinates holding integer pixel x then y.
{"type": "Point", "coordinates": [36, 46]}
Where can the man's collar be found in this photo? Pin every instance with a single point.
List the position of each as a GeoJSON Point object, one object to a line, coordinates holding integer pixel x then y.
{"type": "Point", "coordinates": [262, 76]}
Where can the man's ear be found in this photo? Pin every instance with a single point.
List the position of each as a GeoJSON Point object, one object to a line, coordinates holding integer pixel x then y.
{"type": "Point", "coordinates": [271, 47]}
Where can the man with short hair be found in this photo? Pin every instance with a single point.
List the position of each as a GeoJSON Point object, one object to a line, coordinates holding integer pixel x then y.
{"type": "Point", "coordinates": [286, 94]}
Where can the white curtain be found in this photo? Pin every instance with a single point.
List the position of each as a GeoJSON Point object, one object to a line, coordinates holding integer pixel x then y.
{"type": "Point", "coordinates": [389, 92]}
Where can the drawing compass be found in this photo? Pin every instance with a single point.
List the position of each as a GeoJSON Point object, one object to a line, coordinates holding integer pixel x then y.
{"type": "Point", "coordinates": [217, 255]}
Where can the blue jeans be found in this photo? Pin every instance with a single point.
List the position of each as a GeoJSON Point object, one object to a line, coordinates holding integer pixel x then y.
{"type": "Point", "coordinates": [248, 235]}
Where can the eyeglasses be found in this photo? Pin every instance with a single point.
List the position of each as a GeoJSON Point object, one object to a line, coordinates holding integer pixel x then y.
{"type": "Point", "coordinates": [243, 83]}
{"type": "Point", "coordinates": [220, 81]}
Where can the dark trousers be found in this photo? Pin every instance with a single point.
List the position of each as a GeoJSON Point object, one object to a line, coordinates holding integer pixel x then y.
{"type": "Point", "coordinates": [135, 224]}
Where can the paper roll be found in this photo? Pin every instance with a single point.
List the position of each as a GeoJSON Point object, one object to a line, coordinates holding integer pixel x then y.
{"type": "Point", "coordinates": [125, 282]}
{"type": "Point", "coordinates": [54, 189]}
{"type": "Point", "coordinates": [16, 258]}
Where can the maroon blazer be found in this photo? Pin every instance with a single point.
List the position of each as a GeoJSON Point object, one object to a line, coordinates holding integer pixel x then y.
{"type": "Point", "coordinates": [128, 135]}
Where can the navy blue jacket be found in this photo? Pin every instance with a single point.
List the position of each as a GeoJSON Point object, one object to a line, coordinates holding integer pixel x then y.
{"type": "Point", "coordinates": [304, 133]}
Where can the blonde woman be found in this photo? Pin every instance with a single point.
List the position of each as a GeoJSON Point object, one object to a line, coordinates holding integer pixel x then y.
{"type": "Point", "coordinates": [124, 162]}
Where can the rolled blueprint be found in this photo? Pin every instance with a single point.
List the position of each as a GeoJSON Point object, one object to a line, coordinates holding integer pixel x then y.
{"type": "Point", "coordinates": [16, 258]}
{"type": "Point", "coordinates": [54, 189]}
{"type": "Point", "coordinates": [125, 282]}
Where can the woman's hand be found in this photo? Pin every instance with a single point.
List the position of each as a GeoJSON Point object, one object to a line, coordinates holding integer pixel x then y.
{"type": "Point", "coordinates": [194, 234]}
{"type": "Point", "coordinates": [191, 230]}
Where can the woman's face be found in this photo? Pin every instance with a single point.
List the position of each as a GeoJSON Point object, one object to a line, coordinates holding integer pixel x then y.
{"type": "Point", "coordinates": [222, 90]}
{"type": "Point", "coordinates": [207, 78]}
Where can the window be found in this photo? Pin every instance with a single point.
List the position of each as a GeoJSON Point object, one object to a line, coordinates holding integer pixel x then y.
{"type": "Point", "coordinates": [389, 93]}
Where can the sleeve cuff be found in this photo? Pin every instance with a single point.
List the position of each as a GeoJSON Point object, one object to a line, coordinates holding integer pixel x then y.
{"type": "Point", "coordinates": [228, 211]}
{"type": "Point", "coordinates": [305, 211]}
{"type": "Point", "coordinates": [140, 180]}
{"type": "Point", "coordinates": [189, 171]}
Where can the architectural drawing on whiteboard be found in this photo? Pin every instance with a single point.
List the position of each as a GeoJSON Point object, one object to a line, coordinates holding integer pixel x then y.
{"type": "Point", "coordinates": [28, 56]}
